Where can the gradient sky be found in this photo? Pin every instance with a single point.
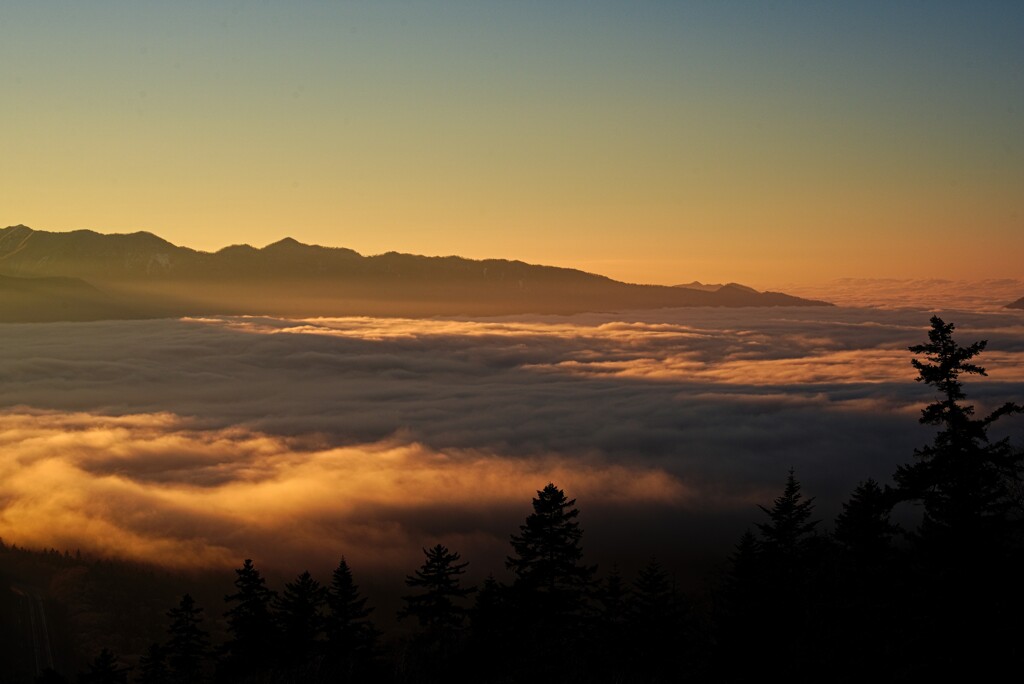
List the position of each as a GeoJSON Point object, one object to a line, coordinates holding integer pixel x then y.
{"type": "Point", "coordinates": [650, 141]}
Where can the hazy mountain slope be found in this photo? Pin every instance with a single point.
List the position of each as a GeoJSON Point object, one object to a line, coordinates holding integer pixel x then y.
{"type": "Point", "coordinates": [150, 275]}
{"type": "Point", "coordinates": [714, 287]}
{"type": "Point", "coordinates": [1019, 304]}
{"type": "Point", "coordinates": [50, 299]}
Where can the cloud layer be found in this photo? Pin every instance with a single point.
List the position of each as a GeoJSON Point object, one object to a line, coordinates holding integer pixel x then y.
{"type": "Point", "coordinates": [199, 442]}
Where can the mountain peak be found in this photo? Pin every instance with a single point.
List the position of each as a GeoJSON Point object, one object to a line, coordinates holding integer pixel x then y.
{"type": "Point", "coordinates": [286, 243]}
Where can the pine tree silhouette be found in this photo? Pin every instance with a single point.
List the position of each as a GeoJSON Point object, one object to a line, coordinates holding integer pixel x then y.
{"type": "Point", "coordinates": [153, 666]}
{"type": "Point", "coordinates": [437, 606]}
{"type": "Point", "coordinates": [253, 637]}
{"type": "Point", "coordinates": [864, 527]}
{"type": "Point", "coordinates": [104, 669]}
{"type": "Point", "coordinates": [966, 483]}
{"type": "Point", "coordinates": [969, 542]}
{"type": "Point", "coordinates": [349, 629]}
{"type": "Point", "coordinates": [548, 560]}
{"type": "Point", "coordinates": [188, 643]}
{"type": "Point", "coordinates": [789, 522]}
{"type": "Point", "coordinates": [351, 637]}
{"type": "Point", "coordinates": [657, 622]}
{"type": "Point", "coordinates": [300, 616]}
{"type": "Point", "coordinates": [614, 599]}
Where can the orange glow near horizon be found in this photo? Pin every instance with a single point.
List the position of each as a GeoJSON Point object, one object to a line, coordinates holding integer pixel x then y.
{"type": "Point", "coordinates": [663, 146]}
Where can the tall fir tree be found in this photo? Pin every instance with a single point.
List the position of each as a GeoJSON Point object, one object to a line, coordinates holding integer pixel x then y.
{"type": "Point", "coordinates": [348, 626]}
{"type": "Point", "coordinates": [864, 527]}
{"type": "Point", "coordinates": [105, 669]}
{"type": "Point", "coordinates": [153, 666]}
{"type": "Point", "coordinates": [300, 617]}
{"type": "Point", "coordinates": [548, 560]}
{"type": "Point", "coordinates": [438, 603]}
{"type": "Point", "coordinates": [966, 483]}
{"type": "Point", "coordinates": [253, 637]}
{"type": "Point", "coordinates": [187, 642]}
{"type": "Point", "coordinates": [968, 545]}
{"type": "Point", "coordinates": [789, 522]}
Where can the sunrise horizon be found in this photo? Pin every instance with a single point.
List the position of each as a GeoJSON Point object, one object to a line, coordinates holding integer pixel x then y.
{"type": "Point", "coordinates": [478, 342]}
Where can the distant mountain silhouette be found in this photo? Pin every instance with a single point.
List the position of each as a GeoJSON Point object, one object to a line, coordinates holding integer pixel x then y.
{"type": "Point", "coordinates": [1019, 304]}
{"type": "Point", "coordinates": [715, 287]}
{"type": "Point", "coordinates": [143, 275]}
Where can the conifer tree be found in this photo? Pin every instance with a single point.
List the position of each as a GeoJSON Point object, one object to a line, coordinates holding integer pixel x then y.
{"type": "Point", "coordinates": [742, 590]}
{"type": "Point", "coordinates": [253, 636]}
{"type": "Point", "coordinates": [300, 616]}
{"type": "Point", "coordinates": [656, 613]}
{"type": "Point", "coordinates": [863, 527]}
{"type": "Point", "coordinates": [612, 654]}
{"type": "Point", "coordinates": [968, 562]}
{"type": "Point", "coordinates": [188, 643]}
{"type": "Point", "coordinates": [654, 601]}
{"type": "Point", "coordinates": [965, 482]}
{"type": "Point", "coordinates": [347, 623]}
{"type": "Point", "coordinates": [743, 564]}
{"type": "Point", "coordinates": [613, 598]}
{"type": "Point", "coordinates": [789, 522]}
{"type": "Point", "coordinates": [153, 666]}
{"type": "Point", "coordinates": [104, 669]}
{"type": "Point", "coordinates": [548, 561]}
{"type": "Point", "coordinates": [489, 629]}
{"type": "Point", "coordinates": [486, 615]}
{"type": "Point", "coordinates": [437, 605]}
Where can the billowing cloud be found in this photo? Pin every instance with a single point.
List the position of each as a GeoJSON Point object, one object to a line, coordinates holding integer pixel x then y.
{"type": "Point", "coordinates": [201, 441]}
{"type": "Point", "coordinates": [154, 487]}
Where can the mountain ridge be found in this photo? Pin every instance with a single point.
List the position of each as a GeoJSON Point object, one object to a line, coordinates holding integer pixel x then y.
{"type": "Point", "coordinates": [145, 273]}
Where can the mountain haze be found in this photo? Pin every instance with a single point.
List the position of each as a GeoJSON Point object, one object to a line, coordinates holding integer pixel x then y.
{"type": "Point", "coordinates": [143, 275]}
{"type": "Point", "coordinates": [1019, 304]}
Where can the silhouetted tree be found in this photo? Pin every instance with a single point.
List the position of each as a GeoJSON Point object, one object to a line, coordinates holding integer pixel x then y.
{"type": "Point", "coordinates": [348, 625]}
{"type": "Point", "coordinates": [487, 614]}
{"type": "Point", "coordinates": [789, 522]}
{"type": "Point", "coordinates": [613, 599]}
{"type": "Point", "coordinates": [740, 609]}
{"type": "Point", "coordinates": [548, 560]}
{"type": "Point", "coordinates": [864, 527]}
{"type": "Point", "coordinates": [612, 655]}
{"type": "Point", "coordinates": [153, 666]}
{"type": "Point", "coordinates": [744, 569]}
{"type": "Point", "coordinates": [965, 482]}
{"type": "Point", "coordinates": [552, 587]}
{"type": "Point", "coordinates": [436, 606]}
{"type": "Point", "coordinates": [253, 637]}
{"type": "Point", "coordinates": [188, 643]}
{"type": "Point", "coordinates": [104, 669]}
{"type": "Point", "coordinates": [489, 629]}
{"type": "Point", "coordinates": [300, 616]}
{"type": "Point", "coordinates": [968, 542]}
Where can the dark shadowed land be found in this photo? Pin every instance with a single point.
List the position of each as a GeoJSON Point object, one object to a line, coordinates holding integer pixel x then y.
{"type": "Point", "coordinates": [143, 276]}
{"type": "Point", "coordinates": [1019, 304]}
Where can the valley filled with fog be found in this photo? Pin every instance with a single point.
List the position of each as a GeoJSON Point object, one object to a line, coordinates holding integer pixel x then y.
{"type": "Point", "coordinates": [199, 442]}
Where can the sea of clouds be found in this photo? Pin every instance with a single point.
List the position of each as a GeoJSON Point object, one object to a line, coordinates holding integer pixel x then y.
{"type": "Point", "coordinates": [199, 442]}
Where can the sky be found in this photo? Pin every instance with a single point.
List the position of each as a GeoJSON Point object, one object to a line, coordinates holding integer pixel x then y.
{"type": "Point", "coordinates": [660, 142]}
